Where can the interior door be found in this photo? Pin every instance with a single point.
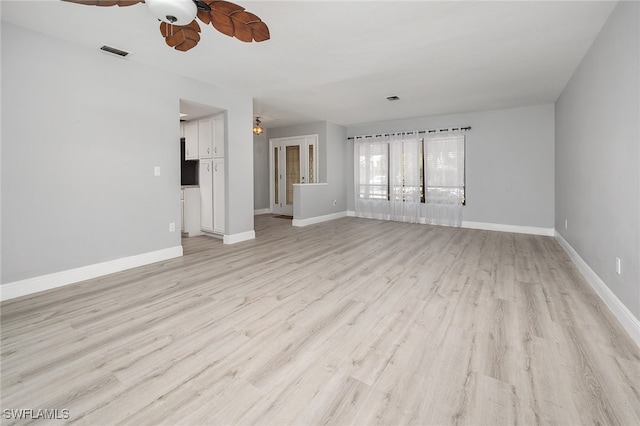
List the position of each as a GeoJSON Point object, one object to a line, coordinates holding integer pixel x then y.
{"type": "Point", "coordinates": [292, 162]}
{"type": "Point", "coordinates": [288, 166]}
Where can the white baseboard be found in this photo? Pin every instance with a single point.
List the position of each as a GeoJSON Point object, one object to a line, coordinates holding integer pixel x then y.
{"type": "Point", "coordinates": [238, 238]}
{"type": "Point", "coordinates": [549, 232]}
{"type": "Point", "coordinates": [628, 321]}
{"type": "Point", "coordinates": [318, 219]}
{"type": "Point", "coordinates": [261, 211]}
{"type": "Point", "coordinates": [59, 279]}
{"type": "Point", "coordinates": [532, 230]}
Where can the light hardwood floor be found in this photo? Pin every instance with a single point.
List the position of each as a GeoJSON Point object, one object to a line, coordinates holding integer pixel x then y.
{"type": "Point", "coordinates": [351, 321]}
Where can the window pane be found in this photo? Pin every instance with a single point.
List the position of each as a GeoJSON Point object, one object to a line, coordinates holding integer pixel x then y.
{"type": "Point", "coordinates": [311, 171]}
{"type": "Point", "coordinates": [293, 170]}
{"type": "Point", "coordinates": [373, 171]}
{"type": "Point", "coordinates": [444, 160]}
{"type": "Point", "coordinates": [276, 176]}
{"type": "Point", "coordinates": [422, 194]}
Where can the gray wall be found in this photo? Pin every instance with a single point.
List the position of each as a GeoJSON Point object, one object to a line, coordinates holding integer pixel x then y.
{"type": "Point", "coordinates": [317, 200]}
{"type": "Point", "coordinates": [510, 162]}
{"type": "Point", "coordinates": [337, 166]}
{"type": "Point", "coordinates": [598, 156]}
{"type": "Point", "coordinates": [81, 134]}
{"type": "Point", "coordinates": [261, 172]}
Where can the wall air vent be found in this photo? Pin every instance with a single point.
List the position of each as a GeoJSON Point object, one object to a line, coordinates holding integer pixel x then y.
{"type": "Point", "coordinates": [113, 51]}
{"type": "Point", "coordinates": [393, 98]}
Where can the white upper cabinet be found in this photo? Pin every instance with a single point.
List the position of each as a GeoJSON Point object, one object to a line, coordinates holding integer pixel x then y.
{"type": "Point", "coordinates": [218, 135]}
{"type": "Point", "coordinates": [205, 137]}
{"type": "Point", "coordinates": [191, 140]}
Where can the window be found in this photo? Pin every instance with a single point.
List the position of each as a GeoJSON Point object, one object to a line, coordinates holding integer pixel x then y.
{"type": "Point", "coordinates": [408, 178]}
{"type": "Point", "coordinates": [440, 161]}
{"type": "Point", "coordinates": [373, 182]}
{"type": "Point", "coordinates": [445, 169]}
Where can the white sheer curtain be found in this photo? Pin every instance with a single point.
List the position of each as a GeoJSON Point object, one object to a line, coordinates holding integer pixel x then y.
{"type": "Point", "coordinates": [371, 167]}
{"type": "Point", "coordinates": [387, 179]}
{"type": "Point", "coordinates": [404, 171]}
{"type": "Point", "coordinates": [444, 173]}
{"type": "Point", "coordinates": [393, 178]}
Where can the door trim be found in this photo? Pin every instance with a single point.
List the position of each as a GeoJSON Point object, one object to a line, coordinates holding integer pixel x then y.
{"type": "Point", "coordinates": [311, 139]}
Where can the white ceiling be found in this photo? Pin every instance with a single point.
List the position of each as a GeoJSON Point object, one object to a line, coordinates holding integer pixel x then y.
{"type": "Point", "coordinates": [339, 60]}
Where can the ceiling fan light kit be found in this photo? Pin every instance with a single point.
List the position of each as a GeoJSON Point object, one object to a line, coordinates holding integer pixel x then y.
{"type": "Point", "coordinates": [178, 12]}
{"type": "Point", "coordinates": [180, 28]}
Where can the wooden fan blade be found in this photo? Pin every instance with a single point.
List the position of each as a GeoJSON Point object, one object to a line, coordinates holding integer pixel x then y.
{"type": "Point", "coordinates": [225, 7]}
{"type": "Point", "coordinates": [222, 23]}
{"type": "Point", "coordinates": [233, 20]}
{"type": "Point", "coordinates": [244, 31]}
{"type": "Point", "coordinates": [204, 16]}
{"type": "Point", "coordinates": [186, 44]}
{"type": "Point", "coordinates": [179, 37]}
{"type": "Point", "coordinates": [260, 31]}
{"type": "Point", "coordinates": [106, 2]}
{"type": "Point", "coordinates": [220, 15]}
{"type": "Point", "coordinates": [241, 30]}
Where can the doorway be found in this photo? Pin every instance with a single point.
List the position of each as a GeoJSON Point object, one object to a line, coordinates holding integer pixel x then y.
{"type": "Point", "coordinates": [200, 197]}
{"type": "Point", "coordinates": [292, 161]}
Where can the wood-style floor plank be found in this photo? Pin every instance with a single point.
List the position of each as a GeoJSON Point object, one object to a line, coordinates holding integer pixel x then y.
{"type": "Point", "coordinates": [352, 321]}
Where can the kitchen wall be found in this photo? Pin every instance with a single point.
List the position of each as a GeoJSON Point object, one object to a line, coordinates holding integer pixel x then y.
{"type": "Point", "coordinates": [509, 162]}
{"type": "Point", "coordinates": [82, 132]}
{"type": "Point", "coordinates": [598, 156]}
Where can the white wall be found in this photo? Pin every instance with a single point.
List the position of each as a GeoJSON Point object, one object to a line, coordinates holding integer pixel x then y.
{"type": "Point", "coordinates": [81, 134]}
{"type": "Point", "coordinates": [509, 162]}
{"type": "Point", "coordinates": [598, 156]}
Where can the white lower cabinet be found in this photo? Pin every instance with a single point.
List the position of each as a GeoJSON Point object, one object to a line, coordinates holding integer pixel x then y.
{"type": "Point", "coordinates": [206, 195]}
{"type": "Point", "coordinates": [191, 211]}
{"type": "Point", "coordinates": [212, 189]}
{"type": "Point", "coordinates": [218, 196]}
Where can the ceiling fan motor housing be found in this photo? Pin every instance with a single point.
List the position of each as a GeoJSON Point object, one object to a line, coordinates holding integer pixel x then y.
{"type": "Point", "coordinates": [176, 12]}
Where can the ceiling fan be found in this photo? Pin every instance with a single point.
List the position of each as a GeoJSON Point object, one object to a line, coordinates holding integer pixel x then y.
{"type": "Point", "coordinates": [179, 27]}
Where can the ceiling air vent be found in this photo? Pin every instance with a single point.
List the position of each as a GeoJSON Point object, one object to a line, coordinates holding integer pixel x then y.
{"type": "Point", "coordinates": [393, 98]}
{"type": "Point", "coordinates": [113, 51]}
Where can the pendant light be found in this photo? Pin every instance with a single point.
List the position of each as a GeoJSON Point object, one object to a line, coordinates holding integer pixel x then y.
{"type": "Point", "coordinates": [257, 130]}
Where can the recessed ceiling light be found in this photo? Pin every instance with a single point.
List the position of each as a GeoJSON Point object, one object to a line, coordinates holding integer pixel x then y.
{"type": "Point", "coordinates": [393, 98]}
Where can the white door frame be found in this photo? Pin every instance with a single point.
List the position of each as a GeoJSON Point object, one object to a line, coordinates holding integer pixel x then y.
{"type": "Point", "coordinates": [304, 141]}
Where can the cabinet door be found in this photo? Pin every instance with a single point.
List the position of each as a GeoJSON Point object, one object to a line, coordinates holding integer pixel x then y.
{"type": "Point", "coordinates": [205, 135]}
{"type": "Point", "coordinates": [182, 210]}
{"type": "Point", "coordinates": [206, 195]}
{"type": "Point", "coordinates": [191, 140]}
{"type": "Point", "coordinates": [219, 225]}
{"type": "Point", "coordinates": [218, 135]}
{"type": "Point", "coordinates": [182, 217]}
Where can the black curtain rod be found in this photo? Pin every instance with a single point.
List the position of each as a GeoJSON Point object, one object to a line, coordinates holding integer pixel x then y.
{"type": "Point", "coordinates": [453, 129]}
